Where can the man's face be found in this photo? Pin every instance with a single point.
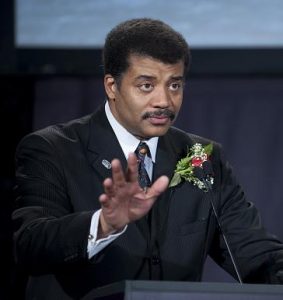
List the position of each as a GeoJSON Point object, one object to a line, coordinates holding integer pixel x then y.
{"type": "Point", "coordinates": [148, 97]}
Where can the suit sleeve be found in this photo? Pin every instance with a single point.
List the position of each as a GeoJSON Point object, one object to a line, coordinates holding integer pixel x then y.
{"type": "Point", "coordinates": [258, 254]}
{"type": "Point", "coordinates": [48, 233]}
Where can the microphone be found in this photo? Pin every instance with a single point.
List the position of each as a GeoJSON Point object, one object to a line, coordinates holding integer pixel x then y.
{"type": "Point", "coordinates": [205, 175]}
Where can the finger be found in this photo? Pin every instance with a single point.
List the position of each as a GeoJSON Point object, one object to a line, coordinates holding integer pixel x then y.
{"type": "Point", "coordinates": [158, 187]}
{"type": "Point", "coordinates": [104, 200]}
{"type": "Point", "coordinates": [108, 187]}
{"type": "Point", "coordinates": [118, 176]}
{"type": "Point", "coordinates": [132, 171]}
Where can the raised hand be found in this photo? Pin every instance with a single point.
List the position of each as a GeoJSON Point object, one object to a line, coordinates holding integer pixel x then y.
{"type": "Point", "coordinates": [124, 201]}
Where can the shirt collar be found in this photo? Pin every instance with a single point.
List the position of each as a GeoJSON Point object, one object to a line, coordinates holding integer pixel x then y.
{"type": "Point", "coordinates": [127, 141]}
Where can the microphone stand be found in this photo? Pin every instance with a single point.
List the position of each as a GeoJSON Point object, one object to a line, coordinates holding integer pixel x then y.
{"type": "Point", "coordinates": [204, 174]}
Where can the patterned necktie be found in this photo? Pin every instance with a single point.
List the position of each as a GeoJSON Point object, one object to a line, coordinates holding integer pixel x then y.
{"type": "Point", "coordinates": [141, 152]}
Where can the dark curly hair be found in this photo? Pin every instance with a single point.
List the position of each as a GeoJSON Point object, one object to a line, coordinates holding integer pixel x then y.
{"type": "Point", "coordinates": [146, 37]}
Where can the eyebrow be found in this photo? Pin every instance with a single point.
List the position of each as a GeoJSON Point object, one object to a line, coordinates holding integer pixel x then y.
{"type": "Point", "coordinates": [145, 77]}
{"type": "Point", "coordinates": [148, 77]}
{"type": "Point", "coordinates": [178, 78]}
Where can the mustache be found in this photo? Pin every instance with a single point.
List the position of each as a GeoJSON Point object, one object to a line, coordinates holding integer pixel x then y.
{"type": "Point", "coordinates": [159, 113]}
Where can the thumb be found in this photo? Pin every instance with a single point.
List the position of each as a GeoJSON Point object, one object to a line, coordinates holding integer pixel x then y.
{"type": "Point", "coordinates": [159, 186]}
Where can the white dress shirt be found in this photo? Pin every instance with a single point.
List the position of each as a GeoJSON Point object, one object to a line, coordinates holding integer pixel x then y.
{"type": "Point", "coordinates": [128, 143]}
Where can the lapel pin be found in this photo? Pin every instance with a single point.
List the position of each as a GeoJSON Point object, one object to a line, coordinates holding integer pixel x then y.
{"type": "Point", "coordinates": [106, 164]}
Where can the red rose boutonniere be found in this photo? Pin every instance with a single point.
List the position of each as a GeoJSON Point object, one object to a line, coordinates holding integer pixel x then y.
{"type": "Point", "coordinates": [196, 156]}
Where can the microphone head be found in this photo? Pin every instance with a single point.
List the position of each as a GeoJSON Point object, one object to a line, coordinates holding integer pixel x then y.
{"type": "Point", "coordinates": [199, 173]}
{"type": "Point", "coordinates": [207, 168]}
{"type": "Point", "coordinates": [204, 171]}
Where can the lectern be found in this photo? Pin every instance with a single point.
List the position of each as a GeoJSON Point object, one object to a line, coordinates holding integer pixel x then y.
{"type": "Point", "coordinates": [171, 290]}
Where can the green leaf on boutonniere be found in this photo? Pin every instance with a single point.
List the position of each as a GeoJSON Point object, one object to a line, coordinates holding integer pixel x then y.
{"type": "Point", "coordinates": [176, 179]}
{"type": "Point", "coordinates": [208, 149]}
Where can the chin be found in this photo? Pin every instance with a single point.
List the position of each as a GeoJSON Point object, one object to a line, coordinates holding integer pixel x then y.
{"type": "Point", "coordinates": [156, 132]}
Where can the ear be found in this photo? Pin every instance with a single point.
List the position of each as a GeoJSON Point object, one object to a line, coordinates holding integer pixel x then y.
{"type": "Point", "coordinates": [110, 86]}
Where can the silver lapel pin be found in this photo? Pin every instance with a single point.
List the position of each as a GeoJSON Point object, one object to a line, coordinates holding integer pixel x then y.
{"type": "Point", "coordinates": [106, 164]}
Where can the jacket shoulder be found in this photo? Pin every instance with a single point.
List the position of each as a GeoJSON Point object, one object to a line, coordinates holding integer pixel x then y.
{"type": "Point", "coordinates": [189, 138]}
{"type": "Point", "coordinates": [59, 134]}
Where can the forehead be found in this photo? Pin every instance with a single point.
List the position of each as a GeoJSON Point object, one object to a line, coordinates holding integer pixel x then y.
{"type": "Point", "coordinates": [146, 65]}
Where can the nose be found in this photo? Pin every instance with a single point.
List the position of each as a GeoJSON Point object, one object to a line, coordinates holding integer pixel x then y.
{"type": "Point", "coordinates": [162, 98]}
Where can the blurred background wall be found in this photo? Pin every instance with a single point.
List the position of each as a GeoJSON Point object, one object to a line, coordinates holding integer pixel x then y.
{"type": "Point", "coordinates": [50, 71]}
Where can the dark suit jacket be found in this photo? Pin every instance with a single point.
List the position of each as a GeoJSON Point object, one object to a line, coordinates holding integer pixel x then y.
{"type": "Point", "coordinates": [59, 180]}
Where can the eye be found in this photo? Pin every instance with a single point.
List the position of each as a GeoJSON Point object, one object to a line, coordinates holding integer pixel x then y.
{"type": "Point", "coordinates": [146, 87]}
{"type": "Point", "coordinates": [175, 86]}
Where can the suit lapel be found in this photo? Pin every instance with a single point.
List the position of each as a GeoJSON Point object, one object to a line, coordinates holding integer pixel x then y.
{"type": "Point", "coordinates": [168, 154]}
{"type": "Point", "coordinates": [170, 149]}
{"type": "Point", "coordinates": [103, 145]}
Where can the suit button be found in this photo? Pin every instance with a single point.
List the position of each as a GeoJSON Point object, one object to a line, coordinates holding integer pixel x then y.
{"type": "Point", "coordinates": [155, 260]}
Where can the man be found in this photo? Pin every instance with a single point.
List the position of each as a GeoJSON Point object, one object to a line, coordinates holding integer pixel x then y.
{"type": "Point", "coordinates": [83, 222]}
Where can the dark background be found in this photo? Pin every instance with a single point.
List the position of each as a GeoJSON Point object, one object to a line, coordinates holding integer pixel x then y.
{"type": "Point", "coordinates": [234, 96]}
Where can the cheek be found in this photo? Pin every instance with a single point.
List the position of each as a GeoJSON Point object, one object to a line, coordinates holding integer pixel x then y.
{"type": "Point", "coordinates": [131, 112]}
{"type": "Point", "coordinates": [178, 102]}
{"type": "Point", "coordinates": [136, 106]}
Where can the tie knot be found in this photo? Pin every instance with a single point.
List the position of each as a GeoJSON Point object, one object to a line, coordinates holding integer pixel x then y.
{"type": "Point", "coordinates": [143, 149]}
